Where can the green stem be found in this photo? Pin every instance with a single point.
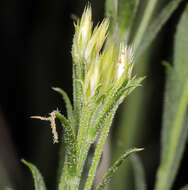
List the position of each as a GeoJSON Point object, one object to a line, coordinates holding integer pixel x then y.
{"type": "Point", "coordinates": [78, 73]}
{"type": "Point", "coordinates": [82, 127]}
{"type": "Point", "coordinates": [83, 156]}
{"type": "Point", "coordinates": [62, 184]}
{"type": "Point", "coordinates": [98, 152]}
{"type": "Point", "coordinates": [80, 165]}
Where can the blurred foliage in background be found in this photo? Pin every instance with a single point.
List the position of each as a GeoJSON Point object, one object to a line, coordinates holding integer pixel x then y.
{"type": "Point", "coordinates": [37, 39]}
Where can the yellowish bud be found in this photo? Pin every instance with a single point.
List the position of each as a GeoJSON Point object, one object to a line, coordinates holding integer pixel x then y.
{"type": "Point", "coordinates": [97, 40]}
{"type": "Point", "coordinates": [125, 60]}
{"type": "Point", "coordinates": [92, 77]}
{"type": "Point", "coordinates": [85, 28]}
{"type": "Point", "coordinates": [87, 44]}
{"type": "Point", "coordinates": [107, 67]}
{"type": "Point", "coordinates": [83, 31]}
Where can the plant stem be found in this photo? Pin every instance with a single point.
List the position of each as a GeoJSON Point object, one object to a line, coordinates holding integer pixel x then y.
{"type": "Point", "coordinates": [82, 131]}
{"type": "Point", "coordinates": [98, 152]}
{"type": "Point", "coordinates": [62, 184]}
{"type": "Point", "coordinates": [81, 161]}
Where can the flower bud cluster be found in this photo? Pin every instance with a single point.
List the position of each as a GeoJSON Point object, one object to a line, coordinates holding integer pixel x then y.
{"type": "Point", "coordinates": [101, 65]}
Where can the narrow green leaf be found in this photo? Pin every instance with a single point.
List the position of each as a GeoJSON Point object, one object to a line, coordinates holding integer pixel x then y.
{"type": "Point", "coordinates": [68, 104]}
{"type": "Point", "coordinates": [126, 11]}
{"type": "Point", "coordinates": [83, 125]}
{"type": "Point", "coordinates": [121, 14]}
{"type": "Point", "coordinates": [114, 99]}
{"type": "Point", "coordinates": [184, 188]}
{"type": "Point", "coordinates": [135, 82]}
{"type": "Point", "coordinates": [97, 91]}
{"type": "Point", "coordinates": [96, 111]}
{"type": "Point", "coordinates": [167, 65]}
{"type": "Point", "coordinates": [98, 151]}
{"type": "Point", "coordinates": [110, 7]}
{"type": "Point", "coordinates": [155, 27]}
{"type": "Point", "coordinates": [89, 114]}
{"type": "Point", "coordinates": [147, 14]}
{"type": "Point", "coordinates": [70, 143]}
{"type": "Point", "coordinates": [111, 12]}
{"type": "Point", "coordinates": [63, 176]}
{"type": "Point", "coordinates": [62, 169]}
{"type": "Point", "coordinates": [103, 113]}
{"type": "Point", "coordinates": [82, 136]}
{"type": "Point", "coordinates": [175, 122]}
{"type": "Point", "coordinates": [140, 182]}
{"type": "Point", "coordinates": [77, 92]}
{"type": "Point", "coordinates": [38, 179]}
{"type": "Point", "coordinates": [108, 176]}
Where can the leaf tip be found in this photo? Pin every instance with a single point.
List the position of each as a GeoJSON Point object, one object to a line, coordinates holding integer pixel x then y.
{"type": "Point", "coordinates": [55, 89]}
{"type": "Point", "coordinates": [22, 160]}
{"type": "Point", "coordinates": [139, 149]}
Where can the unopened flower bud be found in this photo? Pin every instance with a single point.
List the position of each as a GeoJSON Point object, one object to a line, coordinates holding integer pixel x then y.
{"type": "Point", "coordinates": [87, 44]}
{"type": "Point", "coordinates": [92, 77]}
{"type": "Point", "coordinates": [124, 64]}
{"type": "Point", "coordinates": [97, 40]}
{"type": "Point", "coordinates": [83, 30]}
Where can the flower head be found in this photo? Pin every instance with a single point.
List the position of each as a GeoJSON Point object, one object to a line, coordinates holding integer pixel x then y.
{"type": "Point", "coordinates": [99, 62]}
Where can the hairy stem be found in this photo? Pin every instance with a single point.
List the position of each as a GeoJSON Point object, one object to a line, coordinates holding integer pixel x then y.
{"type": "Point", "coordinates": [98, 153]}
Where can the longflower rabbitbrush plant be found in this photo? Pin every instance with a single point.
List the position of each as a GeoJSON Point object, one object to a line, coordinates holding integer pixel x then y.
{"type": "Point", "coordinates": [102, 79]}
